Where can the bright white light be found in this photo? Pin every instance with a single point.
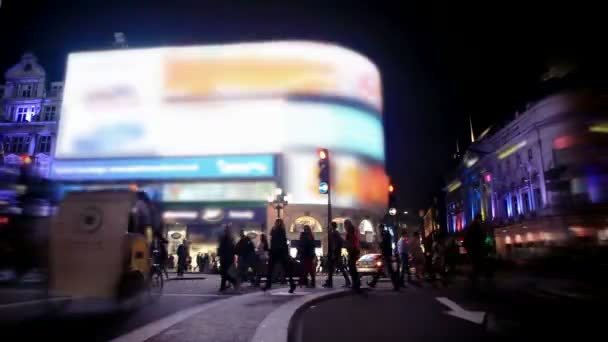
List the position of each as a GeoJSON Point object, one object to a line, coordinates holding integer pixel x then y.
{"type": "Point", "coordinates": [471, 162]}
{"type": "Point", "coordinates": [405, 212]}
{"type": "Point", "coordinates": [191, 215]}
{"type": "Point", "coordinates": [392, 211]}
{"type": "Point", "coordinates": [152, 102]}
{"type": "Point", "coordinates": [278, 191]}
{"type": "Point", "coordinates": [270, 199]}
{"type": "Point", "coordinates": [241, 214]}
{"type": "Point", "coordinates": [213, 214]}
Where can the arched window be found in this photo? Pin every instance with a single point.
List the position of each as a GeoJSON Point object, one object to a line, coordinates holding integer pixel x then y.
{"type": "Point", "coordinates": [299, 223]}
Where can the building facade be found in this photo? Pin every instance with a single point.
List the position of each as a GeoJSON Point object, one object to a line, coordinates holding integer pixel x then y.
{"type": "Point", "coordinates": [29, 112]}
{"type": "Point", "coordinates": [209, 132]}
{"type": "Point", "coordinates": [539, 181]}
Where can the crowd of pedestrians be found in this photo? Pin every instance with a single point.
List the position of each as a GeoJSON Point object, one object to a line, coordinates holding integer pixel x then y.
{"type": "Point", "coordinates": [432, 258]}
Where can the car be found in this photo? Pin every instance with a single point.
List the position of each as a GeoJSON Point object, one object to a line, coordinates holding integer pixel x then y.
{"type": "Point", "coordinates": [369, 264]}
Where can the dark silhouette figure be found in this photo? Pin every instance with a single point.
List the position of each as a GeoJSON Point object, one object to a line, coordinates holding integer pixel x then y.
{"type": "Point", "coordinates": [279, 254]}
{"type": "Point", "coordinates": [387, 259]}
{"type": "Point", "coordinates": [334, 259]}
{"type": "Point", "coordinates": [226, 251]}
{"type": "Point", "coordinates": [354, 250]}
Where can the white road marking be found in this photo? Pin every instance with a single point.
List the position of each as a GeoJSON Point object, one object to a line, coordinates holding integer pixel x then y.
{"type": "Point", "coordinates": [456, 310]}
{"type": "Point", "coordinates": [286, 293]}
{"type": "Point", "coordinates": [195, 295]}
{"type": "Point", "coordinates": [32, 302]}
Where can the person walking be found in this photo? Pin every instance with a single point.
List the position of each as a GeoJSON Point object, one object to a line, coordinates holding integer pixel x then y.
{"type": "Point", "coordinates": [245, 250]}
{"type": "Point", "coordinates": [386, 247]}
{"type": "Point", "coordinates": [417, 255]}
{"type": "Point", "coordinates": [306, 255]}
{"type": "Point", "coordinates": [279, 254]}
{"type": "Point", "coordinates": [474, 244]}
{"type": "Point", "coordinates": [334, 257]}
{"type": "Point", "coordinates": [262, 255]}
{"type": "Point", "coordinates": [354, 250]}
{"type": "Point", "coordinates": [182, 255]}
{"type": "Point", "coordinates": [226, 251]}
{"type": "Point", "coordinates": [404, 258]}
{"type": "Point", "coordinates": [205, 263]}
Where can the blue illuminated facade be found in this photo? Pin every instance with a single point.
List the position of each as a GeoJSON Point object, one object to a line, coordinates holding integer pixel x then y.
{"type": "Point", "coordinates": [29, 112]}
{"type": "Point", "coordinates": [532, 180]}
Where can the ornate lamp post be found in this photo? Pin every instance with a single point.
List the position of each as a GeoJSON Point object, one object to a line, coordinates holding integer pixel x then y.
{"type": "Point", "coordinates": [278, 201]}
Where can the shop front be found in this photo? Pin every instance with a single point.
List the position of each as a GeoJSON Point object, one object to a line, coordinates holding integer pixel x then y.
{"type": "Point", "coordinates": [202, 226]}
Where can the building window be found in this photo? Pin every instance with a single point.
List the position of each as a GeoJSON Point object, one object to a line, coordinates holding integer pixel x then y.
{"type": "Point", "coordinates": [44, 144]}
{"type": "Point", "coordinates": [26, 90]}
{"type": "Point", "coordinates": [529, 154]}
{"type": "Point", "coordinates": [50, 113]}
{"type": "Point", "coordinates": [21, 114]}
{"type": "Point", "coordinates": [16, 144]}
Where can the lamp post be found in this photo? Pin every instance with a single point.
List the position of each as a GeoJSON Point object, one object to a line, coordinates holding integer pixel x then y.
{"type": "Point", "coordinates": [278, 201]}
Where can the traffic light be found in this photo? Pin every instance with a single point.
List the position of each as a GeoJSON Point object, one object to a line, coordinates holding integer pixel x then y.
{"type": "Point", "coordinates": [392, 200]}
{"type": "Point", "coordinates": [323, 168]}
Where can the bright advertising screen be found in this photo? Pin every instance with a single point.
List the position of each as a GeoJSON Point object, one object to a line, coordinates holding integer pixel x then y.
{"type": "Point", "coordinates": [219, 100]}
{"type": "Point", "coordinates": [355, 184]}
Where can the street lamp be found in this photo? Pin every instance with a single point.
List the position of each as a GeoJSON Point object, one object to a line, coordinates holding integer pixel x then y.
{"type": "Point", "coordinates": [278, 201]}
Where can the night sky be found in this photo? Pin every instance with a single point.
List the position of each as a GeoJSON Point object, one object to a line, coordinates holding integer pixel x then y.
{"type": "Point", "coordinates": [439, 65]}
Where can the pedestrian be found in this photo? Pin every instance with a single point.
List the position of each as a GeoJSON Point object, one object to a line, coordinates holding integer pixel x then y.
{"type": "Point", "coordinates": [306, 255]}
{"type": "Point", "coordinates": [404, 258]}
{"type": "Point", "coordinates": [335, 261]}
{"type": "Point", "coordinates": [245, 250]}
{"type": "Point", "coordinates": [171, 261]}
{"type": "Point", "coordinates": [386, 248]}
{"type": "Point", "coordinates": [279, 254]}
{"type": "Point", "coordinates": [199, 262]}
{"type": "Point", "coordinates": [417, 255]}
{"type": "Point", "coordinates": [182, 255]}
{"type": "Point", "coordinates": [262, 255]}
{"type": "Point", "coordinates": [474, 245]}
{"type": "Point", "coordinates": [438, 263]}
{"type": "Point", "coordinates": [205, 262]}
{"type": "Point", "coordinates": [354, 249]}
{"type": "Point", "coordinates": [226, 252]}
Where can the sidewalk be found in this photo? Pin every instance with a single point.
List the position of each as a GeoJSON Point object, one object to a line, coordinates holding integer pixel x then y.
{"type": "Point", "coordinates": [240, 317]}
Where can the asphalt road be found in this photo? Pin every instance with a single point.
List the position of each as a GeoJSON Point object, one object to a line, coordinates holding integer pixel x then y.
{"type": "Point", "coordinates": [421, 314]}
{"type": "Point", "coordinates": [100, 326]}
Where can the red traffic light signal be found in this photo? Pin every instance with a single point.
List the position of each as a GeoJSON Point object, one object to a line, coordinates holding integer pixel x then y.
{"type": "Point", "coordinates": [322, 154]}
{"type": "Point", "coordinates": [26, 159]}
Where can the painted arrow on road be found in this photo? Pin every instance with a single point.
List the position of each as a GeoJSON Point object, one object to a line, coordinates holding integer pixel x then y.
{"type": "Point", "coordinates": [476, 317]}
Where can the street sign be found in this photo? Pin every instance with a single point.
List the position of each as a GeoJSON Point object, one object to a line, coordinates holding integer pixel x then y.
{"type": "Point", "coordinates": [323, 187]}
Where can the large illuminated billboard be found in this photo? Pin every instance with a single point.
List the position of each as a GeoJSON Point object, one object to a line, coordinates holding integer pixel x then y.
{"type": "Point", "coordinates": [239, 98]}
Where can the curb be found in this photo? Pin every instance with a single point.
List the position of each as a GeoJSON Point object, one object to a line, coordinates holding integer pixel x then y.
{"type": "Point", "coordinates": [184, 278]}
{"type": "Point", "coordinates": [278, 326]}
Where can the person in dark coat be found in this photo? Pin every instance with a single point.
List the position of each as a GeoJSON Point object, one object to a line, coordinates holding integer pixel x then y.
{"type": "Point", "coordinates": [386, 248]}
{"type": "Point", "coordinates": [474, 244]}
{"type": "Point", "coordinates": [306, 254]}
{"type": "Point", "coordinates": [182, 255]}
{"type": "Point", "coordinates": [226, 252]}
{"type": "Point", "coordinates": [354, 250]}
{"type": "Point", "coordinates": [279, 254]}
{"type": "Point", "coordinates": [245, 250]}
{"type": "Point", "coordinates": [334, 257]}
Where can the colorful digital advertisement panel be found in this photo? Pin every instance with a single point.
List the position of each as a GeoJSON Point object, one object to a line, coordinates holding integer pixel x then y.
{"type": "Point", "coordinates": [211, 167]}
{"type": "Point", "coordinates": [212, 128]}
{"type": "Point", "coordinates": [217, 191]}
{"type": "Point", "coordinates": [355, 184]}
{"type": "Point", "coordinates": [219, 100]}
